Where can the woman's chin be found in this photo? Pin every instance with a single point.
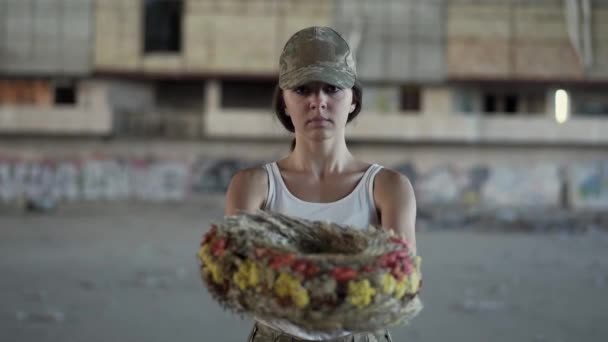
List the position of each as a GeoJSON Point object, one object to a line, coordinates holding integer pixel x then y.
{"type": "Point", "coordinates": [321, 135]}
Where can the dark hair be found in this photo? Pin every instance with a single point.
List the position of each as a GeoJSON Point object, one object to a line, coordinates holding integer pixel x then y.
{"type": "Point", "coordinates": [278, 105]}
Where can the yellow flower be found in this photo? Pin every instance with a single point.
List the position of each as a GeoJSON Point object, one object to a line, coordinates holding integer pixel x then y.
{"type": "Point", "coordinates": [204, 250]}
{"type": "Point", "coordinates": [286, 285]}
{"type": "Point", "coordinates": [408, 285]}
{"type": "Point", "coordinates": [247, 275]}
{"type": "Point", "coordinates": [388, 283]}
{"type": "Point", "coordinates": [414, 282]}
{"type": "Point", "coordinates": [300, 297]}
{"type": "Point", "coordinates": [417, 262]}
{"type": "Point", "coordinates": [415, 276]}
{"type": "Point", "coordinates": [360, 293]}
{"type": "Point", "coordinates": [401, 288]}
{"type": "Point", "coordinates": [216, 272]}
{"type": "Point", "coordinates": [283, 284]}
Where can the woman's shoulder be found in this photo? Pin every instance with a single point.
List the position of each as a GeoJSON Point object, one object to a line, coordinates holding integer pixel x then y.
{"type": "Point", "coordinates": [392, 183]}
{"type": "Point", "coordinates": [250, 178]}
{"type": "Point", "coordinates": [251, 173]}
{"type": "Point", "coordinates": [247, 190]}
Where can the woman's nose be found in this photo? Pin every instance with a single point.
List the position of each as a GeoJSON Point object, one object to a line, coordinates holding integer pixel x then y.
{"type": "Point", "coordinates": [318, 100]}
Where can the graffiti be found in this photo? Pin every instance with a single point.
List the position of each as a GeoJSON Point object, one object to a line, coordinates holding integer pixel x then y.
{"type": "Point", "coordinates": [477, 178]}
{"type": "Point", "coordinates": [164, 181]}
{"type": "Point", "coordinates": [105, 180]}
{"type": "Point", "coordinates": [146, 180]}
{"type": "Point", "coordinates": [441, 185]}
{"type": "Point", "coordinates": [523, 186]}
{"type": "Point", "coordinates": [589, 185]}
{"type": "Point", "coordinates": [215, 175]}
{"type": "Point", "coordinates": [481, 185]}
{"type": "Point", "coordinates": [94, 179]}
{"type": "Point", "coordinates": [43, 179]}
{"type": "Point", "coordinates": [156, 179]}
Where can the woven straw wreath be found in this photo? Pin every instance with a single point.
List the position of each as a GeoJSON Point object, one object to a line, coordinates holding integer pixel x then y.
{"type": "Point", "coordinates": [319, 276]}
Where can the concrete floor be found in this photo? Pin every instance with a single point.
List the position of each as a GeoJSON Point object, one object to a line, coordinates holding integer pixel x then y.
{"type": "Point", "coordinates": [127, 272]}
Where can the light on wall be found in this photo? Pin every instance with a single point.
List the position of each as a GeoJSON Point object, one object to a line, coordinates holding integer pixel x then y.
{"type": "Point", "coordinates": [561, 106]}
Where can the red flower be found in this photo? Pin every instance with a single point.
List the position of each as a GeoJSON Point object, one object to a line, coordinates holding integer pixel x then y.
{"type": "Point", "coordinates": [281, 260]}
{"type": "Point", "coordinates": [209, 235]}
{"type": "Point", "coordinates": [304, 267]}
{"type": "Point", "coordinates": [397, 272]}
{"type": "Point", "coordinates": [401, 254]}
{"type": "Point", "coordinates": [218, 247]}
{"type": "Point", "coordinates": [367, 268]}
{"type": "Point", "coordinates": [407, 267]}
{"type": "Point", "coordinates": [401, 241]}
{"type": "Point", "coordinates": [300, 266]}
{"type": "Point", "coordinates": [342, 274]}
{"type": "Point", "coordinates": [311, 270]}
{"type": "Point", "coordinates": [389, 259]}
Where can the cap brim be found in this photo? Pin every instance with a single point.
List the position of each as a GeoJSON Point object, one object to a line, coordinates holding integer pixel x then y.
{"type": "Point", "coordinates": [326, 74]}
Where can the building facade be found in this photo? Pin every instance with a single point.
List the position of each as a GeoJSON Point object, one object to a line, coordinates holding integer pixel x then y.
{"type": "Point", "coordinates": [46, 68]}
{"type": "Point", "coordinates": [437, 71]}
{"type": "Point", "coordinates": [456, 81]}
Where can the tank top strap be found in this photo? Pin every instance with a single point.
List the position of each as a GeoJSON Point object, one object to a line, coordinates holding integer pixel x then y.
{"type": "Point", "coordinates": [272, 185]}
{"type": "Point", "coordinates": [369, 185]}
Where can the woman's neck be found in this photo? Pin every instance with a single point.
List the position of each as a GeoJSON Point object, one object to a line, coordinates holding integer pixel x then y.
{"type": "Point", "coordinates": [320, 157]}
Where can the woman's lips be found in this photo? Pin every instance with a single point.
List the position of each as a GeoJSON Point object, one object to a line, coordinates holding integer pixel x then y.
{"type": "Point", "coordinates": [319, 122]}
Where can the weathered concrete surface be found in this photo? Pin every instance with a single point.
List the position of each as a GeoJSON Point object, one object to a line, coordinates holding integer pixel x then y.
{"type": "Point", "coordinates": [46, 37]}
{"type": "Point", "coordinates": [127, 272]}
{"type": "Point", "coordinates": [176, 171]}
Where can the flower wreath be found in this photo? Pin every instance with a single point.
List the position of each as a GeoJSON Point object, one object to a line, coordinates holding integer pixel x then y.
{"type": "Point", "coordinates": [317, 275]}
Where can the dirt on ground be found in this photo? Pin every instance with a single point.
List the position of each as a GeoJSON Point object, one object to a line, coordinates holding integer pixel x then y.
{"type": "Point", "coordinates": [125, 271]}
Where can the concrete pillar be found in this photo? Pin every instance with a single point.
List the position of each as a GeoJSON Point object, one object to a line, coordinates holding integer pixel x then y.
{"type": "Point", "coordinates": [213, 98]}
{"type": "Point", "coordinates": [436, 100]}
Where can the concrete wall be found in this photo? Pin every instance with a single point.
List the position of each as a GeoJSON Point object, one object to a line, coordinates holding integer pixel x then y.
{"type": "Point", "coordinates": [599, 22]}
{"type": "Point", "coordinates": [499, 176]}
{"type": "Point", "coordinates": [51, 37]}
{"type": "Point", "coordinates": [230, 37]}
{"type": "Point", "coordinates": [118, 41]}
{"type": "Point", "coordinates": [395, 41]}
{"type": "Point", "coordinates": [393, 127]}
{"type": "Point", "coordinates": [510, 40]}
{"type": "Point", "coordinates": [589, 185]}
{"type": "Point", "coordinates": [246, 37]}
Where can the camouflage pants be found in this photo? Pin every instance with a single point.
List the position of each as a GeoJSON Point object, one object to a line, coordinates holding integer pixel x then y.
{"type": "Point", "coordinates": [262, 333]}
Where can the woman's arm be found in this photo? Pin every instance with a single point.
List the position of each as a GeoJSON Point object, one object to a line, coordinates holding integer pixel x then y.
{"type": "Point", "coordinates": [396, 203]}
{"type": "Point", "coordinates": [247, 191]}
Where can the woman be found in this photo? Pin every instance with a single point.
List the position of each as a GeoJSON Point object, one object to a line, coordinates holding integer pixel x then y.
{"type": "Point", "coordinates": [318, 94]}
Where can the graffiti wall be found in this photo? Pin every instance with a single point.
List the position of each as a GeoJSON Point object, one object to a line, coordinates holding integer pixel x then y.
{"type": "Point", "coordinates": [114, 178]}
{"type": "Point", "coordinates": [166, 179]}
{"type": "Point", "coordinates": [589, 185]}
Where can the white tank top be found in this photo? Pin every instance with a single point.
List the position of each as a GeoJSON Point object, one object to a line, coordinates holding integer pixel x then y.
{"type": "Point", "coordinates": [356, 209]}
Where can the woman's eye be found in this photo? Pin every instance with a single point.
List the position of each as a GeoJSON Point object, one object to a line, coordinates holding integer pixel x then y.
{"type": "Point", "coordinates": [330, 89]}
{"type": "Point", "coordinates": [301, 90]}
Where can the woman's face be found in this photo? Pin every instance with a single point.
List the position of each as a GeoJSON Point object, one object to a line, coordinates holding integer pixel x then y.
{"type": "Point", "coordinates": [318, 110]}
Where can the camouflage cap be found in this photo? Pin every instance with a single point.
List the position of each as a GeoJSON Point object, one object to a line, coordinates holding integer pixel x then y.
{"type": "Point", "coordinates": [317, 54]}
